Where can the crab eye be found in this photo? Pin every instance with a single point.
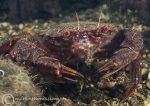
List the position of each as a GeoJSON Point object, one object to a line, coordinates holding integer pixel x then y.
{"type": "Point", "coordinates": [105, 29]}
{"type": "Point", "coordinates": [67, 33]}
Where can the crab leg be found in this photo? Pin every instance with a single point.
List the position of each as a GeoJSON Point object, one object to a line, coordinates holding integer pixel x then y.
{"type": "Point", "coordinates": [129, 52]}
{"type": "Point", "coordinates": [57, 68]}
{"type": "Point", "coordinates": [119, 60]}
{"type": "Point", "coordinates": [67, 70]}
{"type": "Point", "coordinates": [136, 78]}
{"type": "Point", "coordinates": [31, 53]}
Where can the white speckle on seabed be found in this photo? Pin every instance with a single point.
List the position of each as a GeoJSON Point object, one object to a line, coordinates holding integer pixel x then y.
{"type": "Point", "coordinates": [2, 73]}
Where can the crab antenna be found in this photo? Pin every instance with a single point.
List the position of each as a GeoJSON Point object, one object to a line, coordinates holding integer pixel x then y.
{"type": "Point", "coordinates": [98, 25]}
{"type": "Point", "coordinates": [77, 20]}
{"type": "Point", "coordinates": [100, 16]}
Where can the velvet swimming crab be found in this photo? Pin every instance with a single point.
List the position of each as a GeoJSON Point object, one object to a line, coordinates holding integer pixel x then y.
{"type": "Point", "coordinates": [52, 49]}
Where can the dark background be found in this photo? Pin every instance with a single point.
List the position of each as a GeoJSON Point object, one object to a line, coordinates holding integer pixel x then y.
{"type": "Point", "coordinates": [27, 10]}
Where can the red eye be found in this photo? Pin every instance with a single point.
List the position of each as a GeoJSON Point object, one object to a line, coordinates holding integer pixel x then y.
{"type": "Point", "coordinates": [105, 29]}
{"type": "Point", "coordinates": [67, 33]}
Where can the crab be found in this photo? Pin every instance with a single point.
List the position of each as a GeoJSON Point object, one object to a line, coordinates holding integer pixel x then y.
{"type": "Point", "coordinates": [51, 50]}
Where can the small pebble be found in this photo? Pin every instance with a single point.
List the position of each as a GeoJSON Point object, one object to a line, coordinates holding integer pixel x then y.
{"type": "Point", "coordinates": [114, 103]}
{"type": "Point", "coordinates": [93, 103]}
{"type": "Point", "coordinates": [91, 85]}
{"type": "Point", "coordinates": [149, 76]}
{"type": "Point", "coordinates": [128, 68]}
{"type": "Point", "coordinates": [146, 50]}
{"type": "Point", "coordinates": [146, 65]}
{"type": "Point", "coordinates": [45, 24]}
{"type": "Point", "coordinates": [147, 102]}
{"type": "Point", "coordinates": [20, 26]}
{"type": "Point", "coordinates": [10, 27]}
{"type": "Point", "coordinates": [10, 32]}
{"type": "Point", "coordinates": [148, 55]}
{"type": "Point", "coordinates": [2, 73]}
{"type": "Point", "coordinates": [36, 26]}
{"type": "Point", "coordinates": [65, 101]}
{"type": "Point", "coordinates": [144, 71]}
{"type": "Point", "coordinates": [5, 24]}
{"type": "Point", "coordinates": [143, 61]}
{"type": "Point", "coordinates": [144, 56]}
{"type": "Point", "coordinates": [106, 84]}
{"type": "Point", "coordinates": [36, 21]}
{"type": "Point", "coordinates": [148, 84]}
{"type": "Point", "coordinates": [14, 34]}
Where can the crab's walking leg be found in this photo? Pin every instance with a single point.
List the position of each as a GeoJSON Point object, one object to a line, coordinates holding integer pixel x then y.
{"type": "Point", "coordinates": [7, 45]}
{"type": "Point", "coordinates": [119, 60]}
{"type": "Point", "coordinates": [129, 52]}
{"type": "Point", "coordinates": [136, 78]}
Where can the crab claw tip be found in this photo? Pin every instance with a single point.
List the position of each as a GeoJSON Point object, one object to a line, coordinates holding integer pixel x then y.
{"type": "Point", "coordinates": [71, 72]}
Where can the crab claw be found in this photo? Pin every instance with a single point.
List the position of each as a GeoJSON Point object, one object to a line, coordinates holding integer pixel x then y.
{"type": "Point", "coordinates": [128, 51]}
{"type": "Point", "coordinates": [56, 68]}
{"type": "Point", "coordinates": [119, 60]}
{"type": "Point", "coordinates": [70, 72]}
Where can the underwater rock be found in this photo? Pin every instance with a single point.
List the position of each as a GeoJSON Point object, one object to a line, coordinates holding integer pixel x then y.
{"type": "Point", "coordinates": [16, 88]}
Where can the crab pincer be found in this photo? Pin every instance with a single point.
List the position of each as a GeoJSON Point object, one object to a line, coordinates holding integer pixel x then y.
{"type": "Point", "coordinates": [70, 72]}
{"type": "Point", "coordinates": [57, 69]}
{"type": "Point", "coordinates": [128, 52]}
{"type": "Point", "coordinates": [119, 60]}
{"type": "Point", "coordinates": [28, 52]}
